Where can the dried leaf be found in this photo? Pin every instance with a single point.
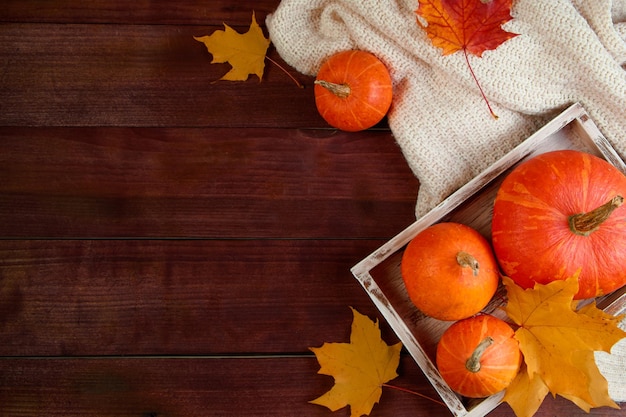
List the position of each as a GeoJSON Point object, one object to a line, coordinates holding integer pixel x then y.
{"type": "Point", "coordinates": [360, 368]}
{"type": "Point", "coordinates": [525, 394]}
{"type": "Point", "coordinates": [558, 342]}
{"type": "Point", "coordinates": [471, 26]}
{"type": "Point", "coordinates": [244, 52]}
{"type": "Point", "coordinates": [474, 26]}
{"type": "Point", "coordinates": [598, 385]}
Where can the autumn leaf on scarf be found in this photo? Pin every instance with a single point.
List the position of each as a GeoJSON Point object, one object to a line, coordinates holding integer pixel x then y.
{"type": "Point", "coordinates": [471, 26]}
{"type": "Point", "coordinates": [360, 368]}
{"type": "Point", "coordinates": [558, 342]}
{"type": "Point", "coordinates": [244, 52]}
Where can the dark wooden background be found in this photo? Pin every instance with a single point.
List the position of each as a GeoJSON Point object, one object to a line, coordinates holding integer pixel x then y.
{"type": "Point", "coordinates": [171, 245]}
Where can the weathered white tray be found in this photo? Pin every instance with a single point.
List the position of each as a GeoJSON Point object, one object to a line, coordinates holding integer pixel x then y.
{"type": "Point", "coordinates": [380, 275]}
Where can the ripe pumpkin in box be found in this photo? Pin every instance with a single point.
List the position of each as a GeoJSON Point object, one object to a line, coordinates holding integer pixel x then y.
{"type": "Point", "coordinates": [478, 356]}
{"type": "Point", "coordinates": [449, 271]}
{"type": "Point", "coordinates": [558, 215]}
{"type": "Point", "coordinates": [353, 90]}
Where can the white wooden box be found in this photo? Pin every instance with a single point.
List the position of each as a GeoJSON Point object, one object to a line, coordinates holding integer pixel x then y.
{"type": "Point", "coordinates": [380, 275]}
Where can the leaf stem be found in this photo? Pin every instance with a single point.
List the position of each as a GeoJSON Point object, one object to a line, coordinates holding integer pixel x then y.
{"type": "Point", "coordinates": [285, 71]}
{"type": "Point", "coordinates": [414, 393]}
{"type": "Point", "coordinates": [495, 116]}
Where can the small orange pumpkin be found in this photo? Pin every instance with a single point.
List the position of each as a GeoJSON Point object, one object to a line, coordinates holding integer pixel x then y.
{"type": "Point", "coordinates": [353, 90]}
{"type": "Point", "coordinates": [449, 271]}
{"type": "Point", "coordinates": [478, 356]}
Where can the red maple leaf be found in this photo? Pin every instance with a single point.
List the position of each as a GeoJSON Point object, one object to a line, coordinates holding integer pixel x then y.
{"type": "Point", "coordinates": [473, 26]}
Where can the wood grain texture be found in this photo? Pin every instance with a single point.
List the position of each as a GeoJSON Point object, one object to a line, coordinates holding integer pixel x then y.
{"type": "Point", "coordinates": [172, 245]}
{"type": "Point", "coordinates": [182, 387]}
{"type": "Point", "coordinates": [211, 183]}
{"type": "Point", "coordinates": [182, 12]}
{"type": "Point", "coordinates": [137, 75]}
{"type": "Point", "coordinates": [177, 297]}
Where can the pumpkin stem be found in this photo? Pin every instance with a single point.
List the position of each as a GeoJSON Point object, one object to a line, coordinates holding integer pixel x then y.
{"type": "Point", "coordinates": [473, 363]}
{"type": "Point", "coordinates": [340, 90]}
{"type": "Point", "coordinates": [586, 223]}
{"type": "Point", "coordinates": [466, 260]}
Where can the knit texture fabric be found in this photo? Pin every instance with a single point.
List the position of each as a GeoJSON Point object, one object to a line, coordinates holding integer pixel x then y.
{"type": "Point", "coordinates": [567, 51]}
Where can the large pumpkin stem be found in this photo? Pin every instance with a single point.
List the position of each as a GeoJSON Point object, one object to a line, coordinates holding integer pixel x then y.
{"type": "Point", "coordinates": [473, 363]}
{"type": "Point", "coordinates": [340, 90]}
{"type": "Point", "coordinates": [466, 260]}
{"type": "Point", "coordinates": [586, 223]}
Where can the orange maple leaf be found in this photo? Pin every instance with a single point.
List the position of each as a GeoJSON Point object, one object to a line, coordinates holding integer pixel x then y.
{"type": "Point", "coordinates": [471, 26]}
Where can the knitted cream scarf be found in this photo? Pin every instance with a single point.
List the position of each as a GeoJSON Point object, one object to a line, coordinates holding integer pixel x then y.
{"type": "Point", "coordinates": [568, 51]}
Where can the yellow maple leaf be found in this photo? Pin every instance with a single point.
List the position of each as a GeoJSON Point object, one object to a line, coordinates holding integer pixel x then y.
{"type": "Point", "coordinates": [558, 342]}
{"type": "Point", "coordinates": [525, 393]}
{"type": "Point", "coordinates": [360, 368]}
{"type": "Point", "coordinates": [244, 52]}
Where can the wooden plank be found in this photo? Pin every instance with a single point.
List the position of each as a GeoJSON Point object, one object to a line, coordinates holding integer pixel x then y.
{"type": "Point", "coordinates": [216, 183]}
{"type": "Point", "coordinates": [183, 12]}
{"type": "Point", "coordinates": [152, 297]}
{"type": "Point", "coordinates": [184, 387]}
{"type": "Point", "coordinates": [137, 75]}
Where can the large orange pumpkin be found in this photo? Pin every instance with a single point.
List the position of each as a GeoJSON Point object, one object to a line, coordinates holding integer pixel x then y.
{"type": "Point", "coordinates": [353, 90]}
{"type": "Point", "coordinates": [478, 356]}
{"type": "Point", "coordinates": [449, 271]}
{"type": "Point", "coordinates": [559, 215]}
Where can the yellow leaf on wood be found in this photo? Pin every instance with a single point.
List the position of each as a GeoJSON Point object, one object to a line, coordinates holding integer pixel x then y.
{"type": "Point", "coordinates": [360, 368]}
{"type": "Point", "coordinates": [244, 52]}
